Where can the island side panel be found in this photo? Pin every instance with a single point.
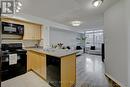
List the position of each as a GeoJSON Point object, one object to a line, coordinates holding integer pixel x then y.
{"type": "Point", "coordinates": [68, 70]}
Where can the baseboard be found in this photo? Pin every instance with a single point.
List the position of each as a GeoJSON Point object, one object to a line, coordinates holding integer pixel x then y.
{"type": "Point", "coordinates": [116, 81]}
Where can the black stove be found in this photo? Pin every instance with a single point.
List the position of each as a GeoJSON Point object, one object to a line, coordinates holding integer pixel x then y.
{"type": "Point", "coordinates": [11, 47]}
{"type": "Point", "coordinates": [12, 70]}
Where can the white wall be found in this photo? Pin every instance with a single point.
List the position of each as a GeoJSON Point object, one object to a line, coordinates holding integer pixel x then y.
{"type": "Point", "coordinates": [128, 24]}
{"type": "Point", "coordinates": [116, 42]}
{"type": "Point", "coordinates": [68, 38]}
{"type": "Point", "coordinates": [46, 37]}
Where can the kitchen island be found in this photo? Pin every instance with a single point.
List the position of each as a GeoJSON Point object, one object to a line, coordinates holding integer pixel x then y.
{"type": "Point", "coordinates": [56, 66]}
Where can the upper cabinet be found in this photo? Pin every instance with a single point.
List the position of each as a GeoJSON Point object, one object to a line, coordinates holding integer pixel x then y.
{"type": "Point", "coordinates": [32, 31]}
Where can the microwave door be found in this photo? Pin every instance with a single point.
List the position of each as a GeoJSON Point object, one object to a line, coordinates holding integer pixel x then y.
{"type": "Point", "coordinates": [10, 28]}
{"type": "Point", "coordinates": [20, 30]}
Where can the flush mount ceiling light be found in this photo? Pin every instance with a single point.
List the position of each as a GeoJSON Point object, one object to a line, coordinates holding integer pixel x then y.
{"type": "Point", "coordinates": [97, 3]}
{"type": "Point", "coordinates": [76, 23]}
{"type": "Point", "coordinates": [18, 6]}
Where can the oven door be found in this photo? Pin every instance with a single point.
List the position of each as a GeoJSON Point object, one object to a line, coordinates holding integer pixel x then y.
{"type": "Point", "coordinates": [10, 71]}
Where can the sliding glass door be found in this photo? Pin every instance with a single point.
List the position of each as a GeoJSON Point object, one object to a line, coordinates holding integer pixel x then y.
{"type": "Point", "coordinates": [94, 38]}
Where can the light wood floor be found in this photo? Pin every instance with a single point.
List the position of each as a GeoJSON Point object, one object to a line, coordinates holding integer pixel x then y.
{"type": "Point", "coordinates": [90, 71]}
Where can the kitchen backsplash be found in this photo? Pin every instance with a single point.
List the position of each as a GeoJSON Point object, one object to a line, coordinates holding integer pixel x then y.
{"type": "Point", "coordinates": [27, 43]}
{"type": "Point", "coordinates": [16, 39]}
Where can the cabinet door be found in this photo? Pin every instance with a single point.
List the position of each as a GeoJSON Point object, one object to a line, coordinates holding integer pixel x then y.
{"type": "Point", "coordinates": [32, 32]}
{"type": "Point", "coordinates": [31, 61]}
{"type": "Point", "coordinates": [37, 62]}
{"type": "Point", "coordinates": [42, 65]}
{"type": "Point", "coordinates": [37, 33]}
{"type": "Point", "coordinates": [28, 32]}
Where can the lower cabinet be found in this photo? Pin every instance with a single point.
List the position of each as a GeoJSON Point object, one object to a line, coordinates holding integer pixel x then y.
{"type": "Point", "coordinates": [37, 63]}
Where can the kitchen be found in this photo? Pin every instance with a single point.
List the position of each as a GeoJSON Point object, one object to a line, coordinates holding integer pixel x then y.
{"type": "Point", "coordinates": [21, 54]}
{"type": "Point", "coordinates": [57, 43]}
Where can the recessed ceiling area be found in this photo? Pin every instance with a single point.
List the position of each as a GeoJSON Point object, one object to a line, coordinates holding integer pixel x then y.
{"type": "Point", "coordinates": [66, 11]}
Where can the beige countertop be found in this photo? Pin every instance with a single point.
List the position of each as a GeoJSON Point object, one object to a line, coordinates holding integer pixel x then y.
{"type": "Point", "coordinates": [53, 52]}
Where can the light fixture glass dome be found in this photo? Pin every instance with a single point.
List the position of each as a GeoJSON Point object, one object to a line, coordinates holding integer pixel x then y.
{"type": "Point", "coordinates": [97, 3]}
{"type": "Point", "coordinates": [76, 23]}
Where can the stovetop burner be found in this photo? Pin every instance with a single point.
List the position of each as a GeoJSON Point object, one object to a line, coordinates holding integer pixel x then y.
{"type": "Point", "coordinates": [12, 48]}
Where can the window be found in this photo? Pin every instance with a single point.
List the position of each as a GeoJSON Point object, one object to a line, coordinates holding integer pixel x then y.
{"type": "Point", "coordinates": [94, 38]}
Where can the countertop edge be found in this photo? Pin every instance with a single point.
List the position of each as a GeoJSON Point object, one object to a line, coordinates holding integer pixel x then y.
{"type": "Point", "coordinates": [33, 49]}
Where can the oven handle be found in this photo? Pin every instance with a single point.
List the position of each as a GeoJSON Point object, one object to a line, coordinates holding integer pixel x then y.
{"type": "Point", "coordinates": [7, 59]}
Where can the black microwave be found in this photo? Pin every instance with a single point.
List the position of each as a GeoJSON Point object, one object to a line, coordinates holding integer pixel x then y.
{"type": "Point", "coordinates": [11, 28]}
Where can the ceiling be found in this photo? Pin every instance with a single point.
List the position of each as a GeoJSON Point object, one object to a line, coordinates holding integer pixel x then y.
{"type": "Point", "coordinates": [65, 11]}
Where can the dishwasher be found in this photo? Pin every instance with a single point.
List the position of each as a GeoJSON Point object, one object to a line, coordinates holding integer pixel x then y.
{"type": "Point", "coordinates": [53, 71]}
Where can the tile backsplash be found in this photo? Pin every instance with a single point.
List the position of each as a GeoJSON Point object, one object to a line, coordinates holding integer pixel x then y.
{"type": "Point", "coordinates": [27, 43]}
{"type": "Point", "coordinates": [6, 38]}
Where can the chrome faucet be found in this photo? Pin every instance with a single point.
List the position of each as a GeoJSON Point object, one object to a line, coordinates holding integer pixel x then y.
{"type": "Point", "coordinates": [36, 45]}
